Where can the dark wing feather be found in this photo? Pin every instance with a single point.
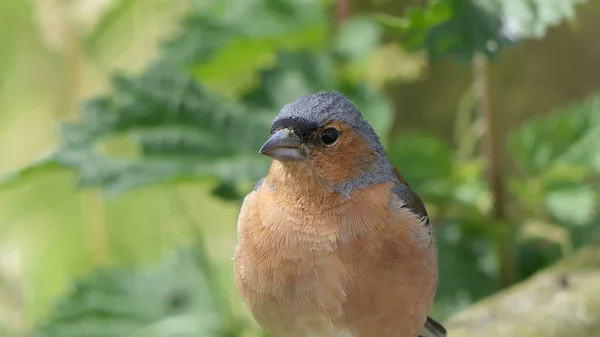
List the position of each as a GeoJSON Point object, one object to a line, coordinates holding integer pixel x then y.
{"type": "Point", "coordinates": [415, 204]}
{"type": "Point", "coordinates": [432, 329]}
{"type": "Point", "coordinates": [412, 201]}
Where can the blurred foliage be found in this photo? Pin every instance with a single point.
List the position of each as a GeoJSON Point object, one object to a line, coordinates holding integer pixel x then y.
{"type": "Point", "coordinates": [165, 125]}
{"type": "Point", "coordinates": [200, 110]}
{"type": "Point", "coordinates": [554, 199]}
{"type": "Point", "coordinates": [180, 120]}
{"type": "Point", "coordinates": [215, 34]}
{"type": "Point", "coordinates": [458, 200]}
{"type": "Point", "coordinates": [461, 28]}
{"type": "Point", "coordinates": [543, 205]}
{"type": "Point", "coordinates": [567, 139]}
{"type": "Point", "coordinates": [171, 298]}
{"type": "Point", "coordinates": [161, 126]}
{"type": "Point", "coordinates": [559, 167]}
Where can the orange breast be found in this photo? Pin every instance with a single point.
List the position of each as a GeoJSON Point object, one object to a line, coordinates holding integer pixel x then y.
{"type": "Point", "coordinates": [350, 267]}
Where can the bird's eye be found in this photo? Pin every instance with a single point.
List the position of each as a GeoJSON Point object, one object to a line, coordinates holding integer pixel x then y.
{"type": "Point", "coordinates": [329, 136]}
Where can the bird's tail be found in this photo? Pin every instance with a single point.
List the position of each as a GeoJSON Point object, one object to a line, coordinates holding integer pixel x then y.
{"type": "Point", "coordinates": [432, 329]}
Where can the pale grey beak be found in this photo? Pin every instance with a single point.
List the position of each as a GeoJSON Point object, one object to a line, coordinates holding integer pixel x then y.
{"type": "Point", "coordinates": [284, 146]}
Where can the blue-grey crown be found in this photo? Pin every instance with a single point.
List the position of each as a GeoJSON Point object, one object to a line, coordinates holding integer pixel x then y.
{"type": "Point", "coordinates": [309, 112]}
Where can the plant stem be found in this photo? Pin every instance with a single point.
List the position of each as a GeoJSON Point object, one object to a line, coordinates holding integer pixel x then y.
{"type": "Point", "coordinates": [465, 135]}
{"type": "Point", "coordinates": [492, 144]}
{"type": "Point", "coordinates": [492, 135]}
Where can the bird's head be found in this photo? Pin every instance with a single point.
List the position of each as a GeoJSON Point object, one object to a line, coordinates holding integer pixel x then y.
{"type": "Point", "coordinates": [325, 133]}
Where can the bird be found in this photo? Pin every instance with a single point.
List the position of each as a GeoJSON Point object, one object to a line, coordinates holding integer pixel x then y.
{"type": "Point", "coordinates": [333, 242]}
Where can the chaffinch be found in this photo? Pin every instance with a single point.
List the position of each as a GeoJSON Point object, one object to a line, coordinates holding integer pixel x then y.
{"type": "Point", "coordinates": [333, 242]}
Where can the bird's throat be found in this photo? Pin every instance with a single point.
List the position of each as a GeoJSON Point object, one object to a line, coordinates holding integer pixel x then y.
{"type": "Point", "coordinates": [298, 186]}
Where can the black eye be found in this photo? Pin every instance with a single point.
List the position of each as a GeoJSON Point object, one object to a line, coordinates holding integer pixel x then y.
{"type": "Point", "coordinates": [329, 136]}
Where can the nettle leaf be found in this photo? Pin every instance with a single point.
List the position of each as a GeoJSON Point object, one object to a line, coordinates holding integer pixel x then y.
{"type": "Point", "coordinates": [569, 137]}
{"type": "Point", "coordinates": [556, 154]}
{"type": "Point", "coordinates": [457, 28]}
{"type": "Point", "coordinates": [213, 37]}
{"type": "Point", "coordinates": [217, 25]}
{"type": "Point", "coordinates": [171, 298]}
{"type": "Point", "coordinates": [162, 126]}
{"type": "Point", "coordinates": [461, 28]}
{"type": "Point", "coordinates": [165, 125]}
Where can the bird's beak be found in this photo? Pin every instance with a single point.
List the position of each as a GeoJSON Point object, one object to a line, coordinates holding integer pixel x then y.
{"type": "Point", "coordinates": [284, 146]}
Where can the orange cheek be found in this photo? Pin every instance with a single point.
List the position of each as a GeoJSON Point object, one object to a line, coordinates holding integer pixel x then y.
{"type": "Point", "coordinates": [345, 160]}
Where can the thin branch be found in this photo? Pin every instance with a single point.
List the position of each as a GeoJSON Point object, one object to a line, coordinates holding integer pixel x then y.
{"type": "Point", "coordinates": [492, 145]}
{"type": "Point", "coordinates": [465, 133]}
{"type": "Point", "coordinates": [492, 137]}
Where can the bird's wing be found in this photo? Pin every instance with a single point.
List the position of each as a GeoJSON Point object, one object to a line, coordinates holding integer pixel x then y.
{"type": "Point", "coordinates": [413, 202]}
{"type": "Point", "coordinates": [432, 329]}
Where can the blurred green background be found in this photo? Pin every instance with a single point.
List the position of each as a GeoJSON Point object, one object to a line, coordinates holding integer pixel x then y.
{"type": "Point", "coordinates": [129, 132]}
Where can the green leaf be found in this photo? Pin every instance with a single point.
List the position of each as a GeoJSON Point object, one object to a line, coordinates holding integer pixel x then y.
{"type": "Point", "coordinates": [357, 38]}
{"type": "Point", "coordinates": [429, 166]}
{"type": "Point", "coordinates": [422, 157]}
{"type": "Point", "coordinates": [567, 138]}
{"type": "Point", "coordinates": [558, 161]}
{"type": "Point", "coordinates": [457, 28]}
{"type": "Point", "coordinates": [575, 205]}
{"type": "Point", "coordinates": [158, 127]}
{"type": "Point", "coordinates": [164, 125]}
{"type": "Point", "coordinates": [461, 28]}
{"type": "Point", "coordinates": [171, 298]}
{"type": "Point", "coordinates": [532, 18]}
{"type": "Point", "coordinates": [213, 38]}
{"type": "Point", "coordinates": [45, 164]}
